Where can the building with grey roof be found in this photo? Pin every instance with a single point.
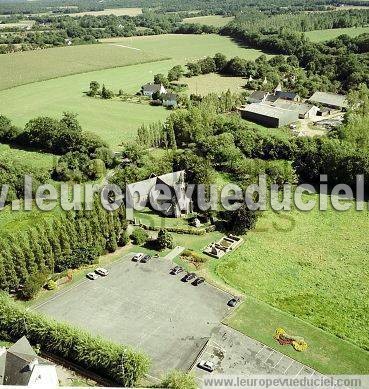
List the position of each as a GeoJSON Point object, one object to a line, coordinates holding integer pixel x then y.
{"type": "Point", "coordinates": [258, 96]}
{"type": "Point", "coordinates": [304, 110]}
{"type": "Point", "coordinates": [20, 365]}
{"type": "Point", "coordinates": [331, 100]}
{"type": "Point", "coordinates": [292, 96]}
{"type": "Point", "coordinates": [150, 89]}
{"type": "Point", "coordinates": [268, 115]}
{"type": "Point", "coordinates": [148, 192]}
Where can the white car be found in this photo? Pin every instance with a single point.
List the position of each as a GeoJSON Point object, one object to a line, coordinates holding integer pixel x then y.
{"type": "Point", "coordinates": [92, 276]}
{"type": "Point", "coordinates": [101, 271]}
{"type": "Point", "coordinates": [138, 257]}
{"type": "Point", "coordinates": [206, 365]}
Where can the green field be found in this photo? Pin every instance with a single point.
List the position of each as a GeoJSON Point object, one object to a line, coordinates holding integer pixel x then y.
{"type": "Point", "coordinates": [115, 121]}
{"type": "Point", "coordinates": [324, 35]}
{"type": "Point", "coordinates": [310, 265]}
{"type": "Point", "coordinates": [326, 353]}
{"type": "Point", "coordinates": [33, 159]}
{"type": "Point", "coordinates": [211, 20]}
{"type": "Point", "coordinates": [31, 66]}
{"type": "Point", "coordinates": [213, 83]}
{"type": "Point", "coordinates": [111, 11]}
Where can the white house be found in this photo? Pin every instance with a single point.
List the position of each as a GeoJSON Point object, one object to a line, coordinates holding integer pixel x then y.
{"type": "Point", "coordinates": [149, 89]}
{"type": "Point", "coordinates": [20, 365]}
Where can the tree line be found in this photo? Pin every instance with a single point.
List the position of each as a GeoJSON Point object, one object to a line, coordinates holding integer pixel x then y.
{"type": "Point", "coordinates": [53, 245]}
{"type": "Point", "coordinates": [84, 156]}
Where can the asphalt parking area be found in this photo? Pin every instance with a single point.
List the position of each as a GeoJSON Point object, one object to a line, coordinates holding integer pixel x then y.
{"type": "Point", "coordinates": [234, 353]}
{"type": "Point", "coordinates": [143, 306]}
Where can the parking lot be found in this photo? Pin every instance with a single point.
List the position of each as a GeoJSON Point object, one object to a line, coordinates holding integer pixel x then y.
{"type": "Point", "coordinates": [234, 353]}
{"type": "Point", "coordinates": [142, 305]}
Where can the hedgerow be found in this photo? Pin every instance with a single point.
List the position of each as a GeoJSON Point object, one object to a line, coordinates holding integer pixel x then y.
{"type": "Point", "coordinates": [116, 362]}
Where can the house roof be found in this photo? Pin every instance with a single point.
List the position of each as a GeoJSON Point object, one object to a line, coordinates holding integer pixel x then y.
{"type": "Point", "coordinates": [144, 187]}
{"type": "Point", "coordinates": [332, 99]}
{"type": "Point", "coordinates": [170, 96]}
{"type": "Point", "coordinates": [258, 95]}
{"type": "Point", "coordinates": [301, 108]}
{"type": "Point", "coordinates": [152, 88]}
{"type": "Point", "coordinates": [267, 110]}
{"type": "Point", "coordinates": [18, 363]}
{"type": "Point", "coordinates": [286, 95]}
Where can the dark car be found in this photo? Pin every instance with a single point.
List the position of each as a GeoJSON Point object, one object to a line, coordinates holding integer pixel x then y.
{"type": "Point", "coordinates": [189, 277]}
{"type": "Point", "coordinates": [146, 258]}
{"type": "Point", "coordinates": [198, 281]}
{"type": "Point", "coordinates": [176, 270]}
{"type": "Point", "coordinates": [233, 302]}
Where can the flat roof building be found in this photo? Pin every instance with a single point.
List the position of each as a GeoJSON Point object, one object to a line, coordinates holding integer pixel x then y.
{"type": "Point", "coordinates": [268, 115]}
{"type": "Point", "coordinates": [332, 100]}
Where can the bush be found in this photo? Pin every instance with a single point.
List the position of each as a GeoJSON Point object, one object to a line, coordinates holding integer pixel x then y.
{"type": "Point", "coordinates": [193, 256]}
{"type": "Point", "coordinates": [33, 284]}
{"type": "Point", "coordinates": [165, 240]}
{"type": "Point", "coordinates": [51, 285]}
{"type": "Point", "coordinates": [179, 380]}
{"type": "Point", "coordinates": [139, 236]}
{"type": "Point", "coordinates": [118, 363]}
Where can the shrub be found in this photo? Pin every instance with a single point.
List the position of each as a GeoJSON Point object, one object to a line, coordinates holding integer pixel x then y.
{"type": "Point", "coordinates": [165, 240]}
{"type": "Point", "coordinates": [118, 363]}
{"type": "Point", "coordinates": [193, 256]}
{"type": "Point", "coordinates": [51, 285]}
{"type": "Point", "coordinates": [33, 284]}
{"type": "Point", "coordinates": [179, 380]}
{"type": "Point", "coordinates": [139, 236]}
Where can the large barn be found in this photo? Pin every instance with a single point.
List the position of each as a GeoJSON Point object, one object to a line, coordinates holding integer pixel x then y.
{"type": "Point", "coordinates": [331, 100]}
{"type": "Point", "coordinates": [268, 115]}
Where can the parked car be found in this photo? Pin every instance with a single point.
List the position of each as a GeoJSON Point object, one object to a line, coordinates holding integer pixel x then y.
{"type": "Point", "coordinates": [198, 281]}
{"type": "Point", "coordinates": [189, 277]}
{"type": "Point", "coordinates": [176, 270]}
{"type": "Point", "coordinates": [92, 276]}
{"type": "Point", "coordinates": [233, 302]}
{"type": "Point", "coordinates": [146, 258]}
{"type": "Point", "coordinates": [138, 257]}
{"type": "Point", "coordinates": [206, 365]}
{"type": "Point", "coordinates": [101, 271]}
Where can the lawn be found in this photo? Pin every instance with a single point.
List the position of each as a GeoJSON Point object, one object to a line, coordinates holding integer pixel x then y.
{"type": "Point", "coordinates": [31, 66]}
{"type": "Point", "coordinates": [115, 121]}
{"type": "Point", "coordinates": [310, 265]}
{"type": "Point", "coordinates": [213, 83]}
{"type": "Point", "coordinates": [326, 353]}
{"type": "Point", "coordinates": [324, 35]}
{"type": "Point", "coordinates": [210, 20]}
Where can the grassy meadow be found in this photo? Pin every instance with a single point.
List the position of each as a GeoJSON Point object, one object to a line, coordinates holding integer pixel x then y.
{"type": "Point", "coordinates": [33, 159]}
{"type": "Point", "coordinates": [310, 265]}
{"type": "Point", "coordinates": [210, 20]}
{"type": "Point", "coordinates": [111, 11]}
{"type": "Point", "coordinates": [325, 35]}
{"type": "Point", "coordinates": [115, 121]}
{"type": "Point", "coordinates": [213, 83]}
{"type": "Point", "coordinates": [38, 65]}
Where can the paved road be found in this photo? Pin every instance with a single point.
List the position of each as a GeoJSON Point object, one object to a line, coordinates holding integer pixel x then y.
{"type": "Point", "coordinates": [174, 253]}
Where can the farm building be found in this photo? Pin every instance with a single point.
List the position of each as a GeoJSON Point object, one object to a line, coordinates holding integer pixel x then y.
{"type": "Point", "coordinates": [170, 99]}
{"type": "Point", "coordinates": [304, 110]}
{"type": "Point", "coordinates": [291, 96]}
{"type": "Point", "coordinates": [258, 96]}
{"type": "Point", "coordinates": [149, 89]}
{"type": "Point", "coordinates": [268, 115]}
{"type": "Point", "coordinates": [331, 100]}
